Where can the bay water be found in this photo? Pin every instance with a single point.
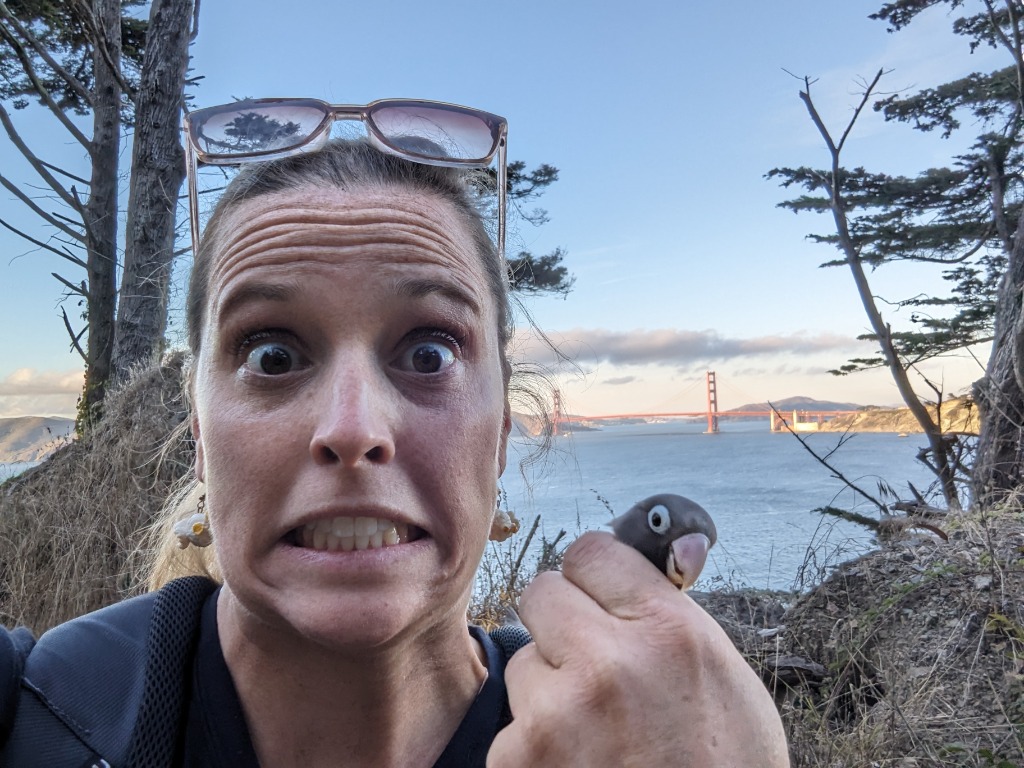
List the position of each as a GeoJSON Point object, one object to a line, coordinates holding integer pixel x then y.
{"type": "Point", "coordinates": [12, 468]}
{"type": "Point", "coordinates": [760, 488]}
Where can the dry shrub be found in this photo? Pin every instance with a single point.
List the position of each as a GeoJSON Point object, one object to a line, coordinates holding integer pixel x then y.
{"type": "Point", "coordinates": [507, 568]}
{"type": "Point", "coordinates": [68, 527]}
{"type": "Point", "coordinates": [924, 648]}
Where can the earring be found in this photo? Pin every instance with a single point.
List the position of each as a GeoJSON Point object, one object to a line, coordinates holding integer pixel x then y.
{"type": "Point", "coordinates": [504, 523]}
{"type": "Point", "coordinates": [195, 529]}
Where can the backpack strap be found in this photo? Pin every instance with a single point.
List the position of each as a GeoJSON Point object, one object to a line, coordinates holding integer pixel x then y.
{"type": "Point", "coordinates": [14, 649]}
{"type": "Point", "coordinates": [510, 638]}
{"type": "Point", "coordinates": [173, 631]}
{"type": "Point", "coordinates": [90, 686]}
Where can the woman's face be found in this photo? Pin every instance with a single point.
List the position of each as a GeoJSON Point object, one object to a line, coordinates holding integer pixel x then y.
{"type": "Point", "coordinates": [351, 414]}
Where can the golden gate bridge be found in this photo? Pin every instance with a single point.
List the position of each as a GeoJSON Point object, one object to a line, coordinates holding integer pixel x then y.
{"type": "Point", "coordinates": [798, 420]}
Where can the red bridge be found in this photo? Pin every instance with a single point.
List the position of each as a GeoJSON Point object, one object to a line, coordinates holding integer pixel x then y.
{"type": "Point", "coordinates": [799, 420]}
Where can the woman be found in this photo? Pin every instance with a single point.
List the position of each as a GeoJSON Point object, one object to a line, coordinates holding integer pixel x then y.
{"type": "Point", "coordinates": [349, 318]}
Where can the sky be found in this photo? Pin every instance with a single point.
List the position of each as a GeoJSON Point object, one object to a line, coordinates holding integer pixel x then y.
{"type": "Point", "coordinates": [663, 118]}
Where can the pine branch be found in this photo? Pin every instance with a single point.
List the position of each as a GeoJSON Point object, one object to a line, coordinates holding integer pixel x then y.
{"type": "Point", "coordinates": [41, 91]}
{"type": "Point", "coordinates": [100, 42]}
{"type": "Point", "coordinates": [73, 82]}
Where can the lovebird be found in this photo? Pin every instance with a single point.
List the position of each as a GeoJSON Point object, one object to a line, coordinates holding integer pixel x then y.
{"type": "Point", "coordinates": [667, 530]}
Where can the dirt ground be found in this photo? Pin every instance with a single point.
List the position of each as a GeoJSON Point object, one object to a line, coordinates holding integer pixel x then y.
{"type": "Point", "coordinates": [910, 656]}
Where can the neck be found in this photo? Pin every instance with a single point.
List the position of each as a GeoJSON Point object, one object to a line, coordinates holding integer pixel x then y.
{"type": "Point", "coordinates": [308, 705]}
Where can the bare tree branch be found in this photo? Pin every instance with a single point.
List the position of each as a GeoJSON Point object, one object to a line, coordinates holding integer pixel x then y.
{"type": "Point", "coordinates": [41, 244]}
{"type": "Point", "coordinates": [37, 165]}
{"type": "Point", "coordinates": [74, 337]}
{"type": "Point", "coordinates": [195, 23]}
{"type": "Point", "coordinates": [882, 330]}
{"type": "Point", "coordinates": [73, 82]}
{"type": "Point", "coordinates": [77, 289]}
{"type": "Point", "coordinates": [860, 107]}
{"type": "Point", "coordinates": [62, 172]}
{"type": "Point", "coordinates": [52, 219]}
{"type": "Point", "coordinates": [824, 462]}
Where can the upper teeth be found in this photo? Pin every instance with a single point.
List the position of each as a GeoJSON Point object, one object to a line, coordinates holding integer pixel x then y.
{"type": "Point", "coordinates": [348, 533]}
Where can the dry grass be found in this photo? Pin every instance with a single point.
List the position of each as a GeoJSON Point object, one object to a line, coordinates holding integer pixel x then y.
{"type": "Point", "coordinates": [68, 527]}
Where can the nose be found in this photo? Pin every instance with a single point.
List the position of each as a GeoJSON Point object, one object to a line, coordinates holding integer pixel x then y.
{"type": "Point", "coordinates": [353, 420]}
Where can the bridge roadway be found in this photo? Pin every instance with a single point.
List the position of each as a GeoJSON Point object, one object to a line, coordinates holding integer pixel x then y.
{"type": "Point", "coordinates": [702, 414]}
{"type": "Point", "coordinates": [777, 420]}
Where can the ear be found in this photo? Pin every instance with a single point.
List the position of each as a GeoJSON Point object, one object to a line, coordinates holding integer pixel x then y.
{"type": "Point", "coordinates": [200, 453]}
{"type": "Point", "coordinates": [506, 428]}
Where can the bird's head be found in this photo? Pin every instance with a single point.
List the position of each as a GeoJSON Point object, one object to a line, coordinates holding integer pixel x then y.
{"type": "Point", "coordinates": [672, 532]}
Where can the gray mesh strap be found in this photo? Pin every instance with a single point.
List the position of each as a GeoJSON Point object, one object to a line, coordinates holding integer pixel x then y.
{"type": "Point", "coordinates": [510, 638]}
{"type": "Point", "coordinates": [173, 633]}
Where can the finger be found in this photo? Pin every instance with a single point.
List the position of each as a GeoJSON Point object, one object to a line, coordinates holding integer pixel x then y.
{"type": "Point", "coordinates": [614, 575]}
{"type": "Point", "coordinates": [537, 700]}
{"type": "Point", "coordinates": [560, 616]}
{"type": "Point", "coordinates": [689, 553]}
{"type": "Point", "coordinates": [525, 674]}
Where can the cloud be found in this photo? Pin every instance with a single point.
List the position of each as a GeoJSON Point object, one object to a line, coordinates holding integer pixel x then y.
{"type": "Point", "coordinates": [28, 392]}
{"type": "Point", "coordinates": [671, 347]}
{"type": "Point", "coordinates": [619, 380]}
{"type": "Point", "coordinates": [30, 382]}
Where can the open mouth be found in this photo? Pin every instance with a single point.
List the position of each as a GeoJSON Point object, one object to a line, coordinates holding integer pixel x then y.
{"type": "Point", "coordinates": [348, 534]}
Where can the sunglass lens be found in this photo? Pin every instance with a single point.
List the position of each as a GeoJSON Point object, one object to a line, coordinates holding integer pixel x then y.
{"type": "Point", "coordinates": [435, 132]}
{"type": "Point", "coordinates": [247, 129]}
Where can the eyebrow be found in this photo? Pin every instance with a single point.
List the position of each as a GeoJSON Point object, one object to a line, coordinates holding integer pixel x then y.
{"type": "Point", "coordinates": [256, 292]}
{"type": "Point", "coordinates": [414, 288]}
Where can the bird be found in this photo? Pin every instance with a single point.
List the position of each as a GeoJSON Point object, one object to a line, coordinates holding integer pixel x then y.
{"type": "Point", "coordinates": [663, 528]}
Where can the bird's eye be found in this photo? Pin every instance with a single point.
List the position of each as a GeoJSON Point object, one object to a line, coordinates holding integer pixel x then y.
{"type": "Point", "coordinates": [658, 519]}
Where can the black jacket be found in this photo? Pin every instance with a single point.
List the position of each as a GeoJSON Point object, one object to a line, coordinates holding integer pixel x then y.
{"type": "Point", "coordinates": [106, 689]}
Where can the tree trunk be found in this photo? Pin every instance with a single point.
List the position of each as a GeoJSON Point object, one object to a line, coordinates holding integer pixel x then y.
{"type": "Point", "coordinates": [158, 169]}
{"type": "Point", "coordinates": [999, 464]}
{"type": "Point", "coordinates": [100, 218]}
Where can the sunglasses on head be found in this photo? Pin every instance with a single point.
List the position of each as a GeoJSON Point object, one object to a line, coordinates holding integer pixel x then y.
{"type": "Point", "coordinates": [428, 132]}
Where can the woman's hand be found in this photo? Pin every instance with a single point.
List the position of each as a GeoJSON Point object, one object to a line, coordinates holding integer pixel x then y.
{"type": "Point", "coordinates": [626, 670]}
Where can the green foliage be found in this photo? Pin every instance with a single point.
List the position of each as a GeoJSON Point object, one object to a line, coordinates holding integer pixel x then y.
{"type": "Point", "coordinates": [529, 273]}
{"type": "Point", "coordinates": [960, 217]}
{"type": "Point", "coordinates": [66, 32]}
{"type": "Point", "coordinates": [540, 274]}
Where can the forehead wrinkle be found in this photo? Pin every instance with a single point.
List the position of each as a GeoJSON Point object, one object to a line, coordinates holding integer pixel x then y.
{"type": "Point", "coordinates": [277, 233]}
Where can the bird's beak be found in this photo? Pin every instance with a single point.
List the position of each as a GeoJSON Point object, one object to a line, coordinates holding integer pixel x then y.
{"type": "Point", "coordinates": [686, 558]}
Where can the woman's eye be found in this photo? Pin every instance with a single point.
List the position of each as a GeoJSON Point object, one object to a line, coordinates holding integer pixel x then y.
{"type": "Point", "coordinates": [427, 357]}
{"type": "Point", "coordinates": [271, 359]}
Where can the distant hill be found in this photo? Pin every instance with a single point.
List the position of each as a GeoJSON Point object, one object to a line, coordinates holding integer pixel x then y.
{"type": "Point", "coordinates": [31, 438]}
{"type": "Point", "coordinates": [800, 403]}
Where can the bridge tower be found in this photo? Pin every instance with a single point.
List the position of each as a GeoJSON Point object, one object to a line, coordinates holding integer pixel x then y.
{"type": "Point", "coordinates": [556, 415]}
{"type": "Point", "coordinates": [712, 405]}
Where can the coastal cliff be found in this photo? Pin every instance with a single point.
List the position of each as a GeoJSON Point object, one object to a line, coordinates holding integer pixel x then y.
{"type": "Point", "coordinates": [959, 415]}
